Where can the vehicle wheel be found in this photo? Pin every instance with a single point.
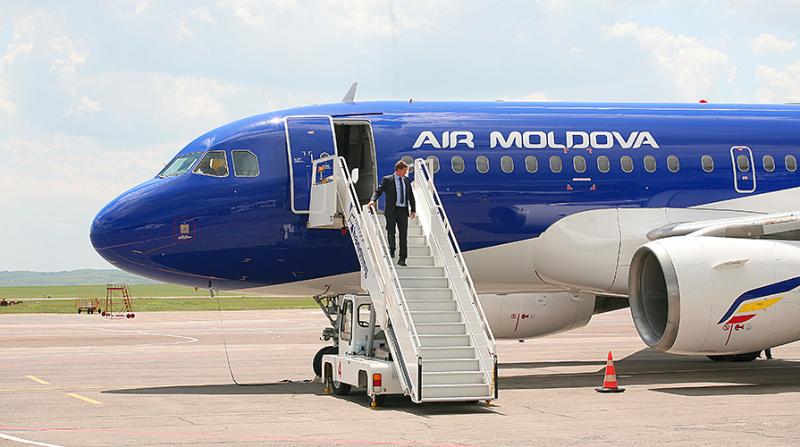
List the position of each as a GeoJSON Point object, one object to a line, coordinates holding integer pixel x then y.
{"type": "Point", "coordinates": [339, 388]}
{"type": "Point", "coordinates": [317, 362]}
{"type": "Point", "coordinates": [746, 357]}
{"type": "Point", "coordinates": [719, 358]}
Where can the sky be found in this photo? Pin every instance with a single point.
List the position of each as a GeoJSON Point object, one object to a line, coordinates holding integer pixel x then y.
{"type": "Point", "coordinates": [96, 96]}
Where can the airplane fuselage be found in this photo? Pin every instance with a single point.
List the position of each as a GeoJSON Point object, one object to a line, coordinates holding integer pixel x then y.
{"type": "Point", "coordinates": [507, 172]}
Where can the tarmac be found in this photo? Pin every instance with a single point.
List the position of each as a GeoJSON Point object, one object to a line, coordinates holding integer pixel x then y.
{"type": "Point", "coordinates": [163, 379]}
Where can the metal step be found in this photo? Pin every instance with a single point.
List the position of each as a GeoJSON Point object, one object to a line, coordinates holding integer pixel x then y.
{"type": "Point", "coordinates": [444, 340]}
{"type": "Point", "coordinates": [417, 241]}
{"type": "Point", "coordinates": [446, 306]}
{"type": "Point", "coordinates": [451, 365]}
{"type": "Point", "coordinates": [418, 250]}
{"type": "Point", "coordinates": [452, 378]}
{"type": "Point", "coordinates": [473, 391]}
{"type": "Point", "coordinates": [441, 328]}
{"type": "Point", "coordinates": [420, 261]}
{"type": "Point", "coordinates": [413, 271]}
{"type": "Point", "coordinates": [447, 353]}
{"type": "Point", "coordinates": [435, 317]}
{"type": "Point", "coordinates": [424, 294]}
{"type": "Point", "coordinates": [424, 283]}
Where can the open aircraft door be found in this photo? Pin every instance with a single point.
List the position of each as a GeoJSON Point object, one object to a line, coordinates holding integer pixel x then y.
{"type": "Point", "coordinates": [324, 203]}
{"type": "Point", "coordinates": [307, 139]}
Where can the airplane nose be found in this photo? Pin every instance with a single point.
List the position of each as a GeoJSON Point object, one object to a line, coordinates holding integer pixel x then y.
{"type": "Point", "coordinates": [122, 231]}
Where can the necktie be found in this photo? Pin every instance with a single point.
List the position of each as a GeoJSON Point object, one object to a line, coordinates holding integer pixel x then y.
{"type": "Point", "coordinates": [402, 191]}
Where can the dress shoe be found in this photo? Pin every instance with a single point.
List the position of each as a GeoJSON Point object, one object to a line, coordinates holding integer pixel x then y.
{"type": "Point", "coordinates": [402, 262]}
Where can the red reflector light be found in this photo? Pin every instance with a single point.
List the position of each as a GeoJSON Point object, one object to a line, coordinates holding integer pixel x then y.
{"type": "Point", "coordinates": [377, 380]}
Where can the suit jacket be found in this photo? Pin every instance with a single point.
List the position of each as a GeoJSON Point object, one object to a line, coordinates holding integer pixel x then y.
{"type": "Point", "coordinates": [387, 186]}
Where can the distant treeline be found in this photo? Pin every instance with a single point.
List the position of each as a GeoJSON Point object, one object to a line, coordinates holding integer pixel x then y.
{"type": "Point", "coordinates": [68, 278]}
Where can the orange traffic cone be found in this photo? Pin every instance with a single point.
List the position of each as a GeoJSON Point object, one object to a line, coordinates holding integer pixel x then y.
{"type": "Point", "coordinates": [610, 384]}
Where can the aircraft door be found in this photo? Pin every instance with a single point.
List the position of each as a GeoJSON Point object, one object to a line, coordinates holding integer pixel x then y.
{"type": "Point", "coordinates": [307, 138]}
{"type": "Point", "coordinates": [323, 194]}
{"type": "Point", "coordinates": [744, 170]}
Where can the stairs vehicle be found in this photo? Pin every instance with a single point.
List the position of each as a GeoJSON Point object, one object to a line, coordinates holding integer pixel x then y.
{"type": "Point", "coordinates": [420, 330]}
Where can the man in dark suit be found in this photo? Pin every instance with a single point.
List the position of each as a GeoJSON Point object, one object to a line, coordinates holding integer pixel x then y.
{"type": "Point", "coordinates": [399, 205]}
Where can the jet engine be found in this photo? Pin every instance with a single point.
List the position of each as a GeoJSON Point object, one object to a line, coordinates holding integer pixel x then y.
{"type": "Point", "coordinates": [715, 295]}
{"type": "Point", "coordinates": [527, 315]}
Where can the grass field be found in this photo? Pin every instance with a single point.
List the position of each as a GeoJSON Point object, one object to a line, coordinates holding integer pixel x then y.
{"type": "Point", "coordinates": [67, 306]}
{"type": "Point", "coordinates": [146, 298]}
{"type": "Point", "coordinates": [99, 291]}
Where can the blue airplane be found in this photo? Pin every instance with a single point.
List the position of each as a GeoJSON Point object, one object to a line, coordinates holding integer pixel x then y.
{"type": "Point", "coordinates": [665, 207]}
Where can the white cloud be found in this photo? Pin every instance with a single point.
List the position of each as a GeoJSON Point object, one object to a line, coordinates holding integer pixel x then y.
{"type": "Point", "coordinates": [693, 66]}
{"type": "Point", "coordinates": [66, 62]}
{"type": "Point", "coordinates": [778, 86]}
{"type": "Point", "coordinates": [190, 22]}
{"type": "Point", "coordinates": [770, 43]}
{"type": "Point", "coordinates": [7, 107]}
{"type": "Point", "coordinates": [141, 6]}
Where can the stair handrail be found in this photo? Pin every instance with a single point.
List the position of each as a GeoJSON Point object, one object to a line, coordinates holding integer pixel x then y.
{"type": "Point", "coordinates": [395, 290]}
{"type": "Point", "coordinates": [421, 165]}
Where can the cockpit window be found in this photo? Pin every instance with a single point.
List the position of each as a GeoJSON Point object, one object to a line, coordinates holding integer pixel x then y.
{"type": "Point", "coordinates": [180, 165]}
{"type": "Point", "coordinates": [214, 164]}
{"type": "Point", "coordinates": [245, 164]}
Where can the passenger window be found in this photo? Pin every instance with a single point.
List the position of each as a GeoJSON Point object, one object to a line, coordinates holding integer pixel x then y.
{"type": "Point", "coordinates": [214, 163]}
{"type": "Point", "coordinates": [245, 164]}
{"type": "Point", "coordinates": [457, 164]}
{"type": "Point", "coordinates": [363, 315]}
{"type": "Point", "coordinates": [180, 165]}
{"type": "Point", "coordinates": [507, 164]}
{"type": "Point", "coordinates": [531, 164]}
{"type": "Point", "coordinates": [579, 163]}
{"type": "Point", "coordinates": [482, 163]}
{"type": "Point", "coordinates": [627, 163]}
{"type": "Point", "coordinates": [555, 164]}
{"type": "Point", "coordinates": [707, 162]}
{"type": "Point", "coordinates": [347, 320]}
{"type": "Point", "coordinates": [649, 163]}
{"type": "Point", "coordinates": [434, 161]}
{"type": "Point", "coordinates": [791, 163]}
{"type": "Point", "coordinates": [768, 162]}
{"type": "Point", "coordinates": [603, 164]}
{"type": "Point", "coordinates": [743, 163]}
{"type": "Point", "coordinates": [673, 163]}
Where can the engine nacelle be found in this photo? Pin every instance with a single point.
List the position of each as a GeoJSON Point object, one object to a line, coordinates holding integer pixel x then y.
{"type": "Point", "coordinates": [712, 295]}
{"type": "Point", "coordinates": [527, 315]}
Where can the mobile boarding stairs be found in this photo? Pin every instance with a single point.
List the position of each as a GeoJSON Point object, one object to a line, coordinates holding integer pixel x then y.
{"type": "Point", "coordinates": [434, 343]}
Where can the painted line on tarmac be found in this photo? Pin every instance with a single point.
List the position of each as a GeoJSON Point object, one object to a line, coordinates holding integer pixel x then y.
{"type": "Point", "coordinates": [84, 398]}
{"type": "Point", "coordinates": [26, 441]}
{"type": "Point", "coordinates": [183, 339]}
{"type": "Point", "coordinates": [38, 380]}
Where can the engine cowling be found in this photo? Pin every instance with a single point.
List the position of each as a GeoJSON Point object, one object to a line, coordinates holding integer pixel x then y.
{"type": "Point", "coordinates": [527, 315]}
{"type": "Point", "coordinates": [712, 295]}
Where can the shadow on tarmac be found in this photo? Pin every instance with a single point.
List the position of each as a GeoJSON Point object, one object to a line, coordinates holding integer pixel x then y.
{"type": "Point", "coordinates": [652, 369]}
{"type": "Point", "coordinates": [358, 397]}
{"type": "Point", "coordinates": [658, 372]}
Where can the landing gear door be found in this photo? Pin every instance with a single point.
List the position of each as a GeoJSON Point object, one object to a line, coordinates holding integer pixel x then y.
{"type": "Point", "coordinates": [744, 171]}
{"type": "Point", "coordinates": [323, 194]}
{"type": "Point", "coordinates": [307, 138]}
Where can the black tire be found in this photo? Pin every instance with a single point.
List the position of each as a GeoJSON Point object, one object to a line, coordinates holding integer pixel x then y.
{"type": "Point", "coordinates": [719, 358]}
{"type": "Point", "coordinates": [339, 388]}
{"type": "Point", "coordinates": [317, 362]}
{"type": "Point", "coordinates": [746, 357]}
{"type": "Point", "coordinates": [379, 399]}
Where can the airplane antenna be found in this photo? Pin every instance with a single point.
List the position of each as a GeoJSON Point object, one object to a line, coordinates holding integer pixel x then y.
{"type": "Point", "coordinates": [350, 96]}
